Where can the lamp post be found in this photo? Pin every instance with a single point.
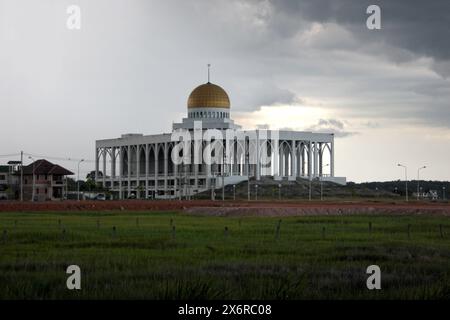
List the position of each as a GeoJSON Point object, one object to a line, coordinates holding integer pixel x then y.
{"type": "Point", "coordinates": [443, 193]}
{"type": "Point", "coordinates": [256, 192]}
{"type": "Point", "coordinates": [279, 191]}
{"type": "Point", "coordinates": [247, 156]}
{"type": "Point", "coordinates": [321, 183]}
{"type": "Point", "coordinates": [78, 179]}
{"type": "Point", "coordinates": [418, 178]}
{"type": "Point", "coordinates": [310, 188]}
{"type": "Point", "coordinates": [223, 186]}
{"type": "Point", "coordinates": [32, 192]}
{"type": "Point", "coordinates": [406, 179]}
{"type": "Point", "coordinates": [223, 172]}
{"type": "Point", "coordinates": [21, 176]}
{"type": "Point", "coordinates": [234, 192]}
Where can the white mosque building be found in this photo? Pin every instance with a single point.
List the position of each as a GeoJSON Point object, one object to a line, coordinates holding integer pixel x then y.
{"type": "Point", "coordinates": [143, 166]}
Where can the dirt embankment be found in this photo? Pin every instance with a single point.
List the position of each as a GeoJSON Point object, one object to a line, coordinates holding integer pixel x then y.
{"type": "Point", "coordinates": [233, 208]}
{"type": "Point", "coordinates": [318, 210]}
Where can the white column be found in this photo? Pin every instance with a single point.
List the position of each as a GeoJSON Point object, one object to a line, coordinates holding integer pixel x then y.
{"type": "Point", "coordinates": [138, 171]}
{"type": "Point", "coordinates": [113, 167]}
{"type": "Point", "coordinates": [293, 160]}
{"type": "Point", "coordinates": [316, 158]}
{"type": "Point", "coordinates": [281, 163]}
{"type": "Point", "coordinates": [175, 175]}
{"type": "Point", "coordinates": [320, 160]}
{"type": "Point", "coordinates": [197, 151]}
{"type": "Point", "coordinates": [166, 167]}
{"type": "Point", "coordinates": [156, 151]}
{"type": "Point", "coordinates": [120, 171]}
{"type": "Point", "coordinates": [97, 159]}
{"type": "Point", "coordinates": [258, 158]}
{"type": "Point", "coordinates": [147, 156]}
{"type": "Point", "coordinates": [104, 167]}
{"type": "Point", "coordinates": [310, 156]}
{"type": "Point", "coordinates": [208, 170]}
{"type": "Point", "coordinates": [332, 158]}
{"type": "Point", "coordinates": [129, 170]}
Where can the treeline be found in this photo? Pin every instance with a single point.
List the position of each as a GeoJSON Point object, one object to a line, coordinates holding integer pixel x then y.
{"type": "Point", "coordinates": [399, 186]}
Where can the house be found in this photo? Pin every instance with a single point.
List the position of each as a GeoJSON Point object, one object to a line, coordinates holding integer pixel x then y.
{"type": "Point", "coordinates": [43, 180]}
{"type": "Point", "coordinates": [4, 182]}
{"type": "Point", "coordinates": [8, 180]}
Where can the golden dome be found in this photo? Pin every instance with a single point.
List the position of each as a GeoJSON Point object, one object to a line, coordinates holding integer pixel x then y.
{"type": "Point", "coordinates": [208, 95]}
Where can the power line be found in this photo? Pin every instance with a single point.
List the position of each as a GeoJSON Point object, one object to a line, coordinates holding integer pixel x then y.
{"type": "Point", "coordinates": [59, 158]}
{"type": "Point", "coordinates": [9, 155]}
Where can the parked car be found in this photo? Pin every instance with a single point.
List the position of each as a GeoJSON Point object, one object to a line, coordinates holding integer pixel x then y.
{"type": "Point", "coordinates": [100, 197]}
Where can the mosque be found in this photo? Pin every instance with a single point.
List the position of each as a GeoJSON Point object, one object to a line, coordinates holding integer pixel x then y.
{"type": "Point", "coordinates": [143, 166]}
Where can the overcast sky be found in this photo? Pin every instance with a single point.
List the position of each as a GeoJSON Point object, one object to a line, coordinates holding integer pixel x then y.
{"type": "Point", "coordinates": [304, 65]}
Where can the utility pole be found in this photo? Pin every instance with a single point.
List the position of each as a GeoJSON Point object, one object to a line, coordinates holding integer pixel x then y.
{"type": "Point", "coordinates": [32, 192]}
{"type": "Point", "coordinates": [310, 187]}
{"type": "Point", "coordinates": [179, 185]}
{"type": "Point", "coordinates": [406, 179]}
{"type": "Point", "coordinates": [21, 176]}
{"type": "Point", "coordinates": [78, 180]}
{"type": "Point", "coordinates": [248, 174]}
{"type": "Point", "coordinates": [213, 181]}
{"type": "Point", "coordinates": [418, 178]}
{"type": "Point", "coordinates": [223, 172]}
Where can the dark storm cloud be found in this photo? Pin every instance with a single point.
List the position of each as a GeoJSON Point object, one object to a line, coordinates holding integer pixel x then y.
{"type": "Point", "coordinates": [421, 27]}
{"type": "Point", "coordinates": [414, 36]}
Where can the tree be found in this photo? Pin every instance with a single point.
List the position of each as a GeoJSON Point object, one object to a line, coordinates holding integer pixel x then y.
{"type": "Point", "coordinates": [91, 175]}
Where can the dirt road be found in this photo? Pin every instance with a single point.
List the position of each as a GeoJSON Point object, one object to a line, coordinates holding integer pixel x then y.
{"type": "Point", "coordinates": [231, 208]}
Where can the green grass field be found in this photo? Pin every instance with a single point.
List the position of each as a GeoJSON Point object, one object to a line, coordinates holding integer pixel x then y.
{"type": "Point", "coordinates": [312, 258]}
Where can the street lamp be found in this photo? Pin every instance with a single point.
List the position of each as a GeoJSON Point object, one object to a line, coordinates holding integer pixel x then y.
{"type": "Point", "coordinates": [310, 188]}
{"type": "Point", "coordinates": [234, 192]}
{"type": "Point", "coordinates": [256, 192]}
{"type": "Point", "coordinates": [279, 191]}
{"type": "Point", "coordinates": [78, 180]}
{"type": "Point", "coordinates": [443, 193]}
{"type": "Point", "coordinates": [247, 156]}
{"type": "Point", "coordinates": [321, 183]}
{"type": "Point", "coordinates": [418, 178]}
{"type": "Point", "coordinates": [406, 179]}
{"type": "Point", "coordinates": [32, 192]}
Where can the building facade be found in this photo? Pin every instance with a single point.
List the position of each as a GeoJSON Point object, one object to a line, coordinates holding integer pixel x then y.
{"type": "Point", "coordinates": [9, 180]}
{"type": "Point", "coordinates": [44, 181]}
{"type": "Point", "coordinates": [148, 166]}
